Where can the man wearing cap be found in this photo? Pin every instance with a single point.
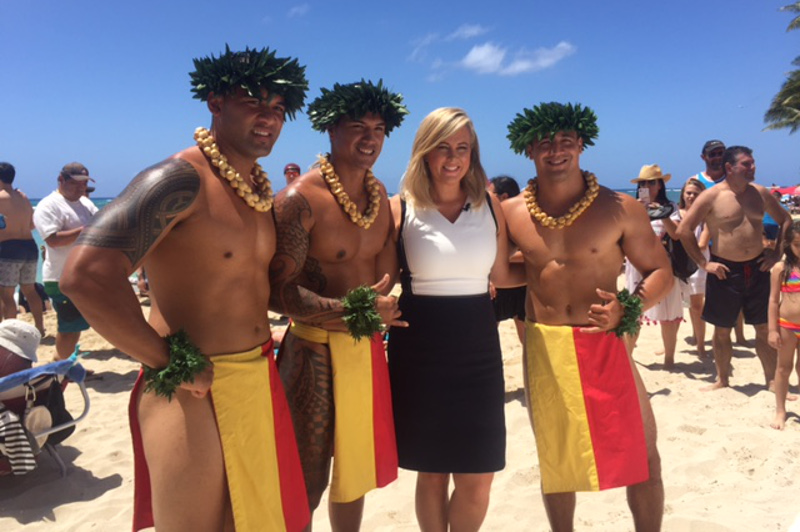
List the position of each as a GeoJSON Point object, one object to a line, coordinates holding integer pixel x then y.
{"type": "Point", "coordinates": [19, 254]}
{"type": "Point", "coordinates": [214, 448]}
{"type": "Point", "coordinates": [291, 172]}
{"type": "Point", "coordinates": [334, 235]}
{"type": "Point", "coordinates": [712, 155]}
{"type": "Point", "coordinates": [60, 218]}
{"type": "Point", "coordinates": [739, 266]}
{"type": "Point", "coordinates": [591, 415]}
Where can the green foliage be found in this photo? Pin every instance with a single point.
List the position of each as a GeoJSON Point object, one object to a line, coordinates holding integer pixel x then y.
{"type": "Point", "coordinates": [360, 316]}
{"type": "Point", "coordinates": [185, 362]}
{"type": "Point", "coordinates": [355, 100]}
{"type": "Point", "coordinates": [547, 119]}
{"type": "Point", "coordinates": [794, 8]}
{"type": "Point", "coordinates": [784, 111]}
{"type": "Point", "coordinates": [632, 306]}
{"type": "Point", "coordinates": [251, 70]}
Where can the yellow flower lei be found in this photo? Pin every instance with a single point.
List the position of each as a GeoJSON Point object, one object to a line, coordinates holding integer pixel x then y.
{"type": "Point", "coordinates": [351, 209]}
{"type": "Point", "coordinates": [261, 200]}
{"type": "Point", "coordinates": [592, 190]}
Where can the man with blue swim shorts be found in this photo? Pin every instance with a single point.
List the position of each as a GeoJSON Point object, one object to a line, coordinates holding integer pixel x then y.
{"type": "Point", "coordinates": [19, 254]}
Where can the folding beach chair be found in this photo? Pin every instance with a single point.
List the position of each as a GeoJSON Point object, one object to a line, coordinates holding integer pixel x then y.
{"type": "Point", "coordinates": [33, 416]}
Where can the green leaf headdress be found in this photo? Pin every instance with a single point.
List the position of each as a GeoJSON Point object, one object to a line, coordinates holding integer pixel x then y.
{"type": "Point", "coordinates": [251, 70]}
{"type": "Point", "coordinates": [547, 119]}
{"type": "Point", "coordinates": [355, 100]}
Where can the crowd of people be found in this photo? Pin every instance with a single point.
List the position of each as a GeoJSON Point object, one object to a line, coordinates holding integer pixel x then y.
{"type": "Point", "coordinates": [227, 435]}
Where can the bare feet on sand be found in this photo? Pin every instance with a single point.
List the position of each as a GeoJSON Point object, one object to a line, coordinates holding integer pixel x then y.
{"type": "Point", "coordinates": [716, 386]}
{"type": "Point", "coordinates": [779, 422]}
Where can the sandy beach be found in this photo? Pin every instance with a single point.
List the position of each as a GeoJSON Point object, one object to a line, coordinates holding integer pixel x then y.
{"type": "Point", "coordinates": [724, 468]}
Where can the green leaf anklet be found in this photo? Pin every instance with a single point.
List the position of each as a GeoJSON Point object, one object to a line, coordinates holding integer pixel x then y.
{"type": "Point", "coordinates": [360, 316]}
{"type": "Point", "coordinates": [186, 361]}
{"type": "Point", "coordinates": [632, 307]}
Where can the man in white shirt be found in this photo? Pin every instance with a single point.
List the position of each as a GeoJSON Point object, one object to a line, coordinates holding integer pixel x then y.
{"type": "Point", "coordinates": [59, 218]}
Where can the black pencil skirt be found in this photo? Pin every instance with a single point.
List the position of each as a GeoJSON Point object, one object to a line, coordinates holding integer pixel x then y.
{"type": "Point", "coordinates": [446, 373]}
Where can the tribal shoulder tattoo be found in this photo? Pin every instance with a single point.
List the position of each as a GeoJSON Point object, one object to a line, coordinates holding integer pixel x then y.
{"type": "Point", "coordinates": [144, 210]}
{"type": "Point", "coordinates": [291, 261]}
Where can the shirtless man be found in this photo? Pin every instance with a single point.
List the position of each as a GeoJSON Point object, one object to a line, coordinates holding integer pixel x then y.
{"type": "Point", "coordinates": [332, 238]}
{"type": "Point", "coordinates": [739, 267]}
{"type": "Point", "coordinates": [19, 254]}
{"type": "Point", "coordinates": [200, 224]}
{"type": "Point", "coordinates": [574, 235]}
{"type": "Point", "coordinates": [714, 174]}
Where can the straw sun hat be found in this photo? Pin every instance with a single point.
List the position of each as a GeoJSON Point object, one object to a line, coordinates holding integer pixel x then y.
{"type": "Point", "coordinates": [651, 172]}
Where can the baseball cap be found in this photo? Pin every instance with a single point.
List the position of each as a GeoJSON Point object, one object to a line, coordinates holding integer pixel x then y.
{"type": "Point", "coordinates": [291, 167]}
{"type": "Point", "coordinates": [76, 171]}
{"type": "Point", "coordinates": [711, 144]}
{"type": "Point", "coordinates": [21, 338]}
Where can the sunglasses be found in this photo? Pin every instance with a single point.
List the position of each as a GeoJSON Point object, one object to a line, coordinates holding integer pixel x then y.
{"type": "Point", "coordinates": [715, 153]}
{"type": "Point", "coordinates": [292, 170]}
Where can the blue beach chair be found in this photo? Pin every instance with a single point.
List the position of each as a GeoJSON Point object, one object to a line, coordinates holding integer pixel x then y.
{"type": "Point", "coordinates": [20, 394]}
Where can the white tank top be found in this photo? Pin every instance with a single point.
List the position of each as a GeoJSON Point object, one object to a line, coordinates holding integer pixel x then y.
{"type": "Point", "coordinates": [449, 259]}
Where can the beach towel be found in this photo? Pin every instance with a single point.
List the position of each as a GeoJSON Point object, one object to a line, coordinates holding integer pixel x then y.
{"type": "Point", "coordinates": [585, 409]}
{"type": "Point", "coordinates": [365, 450]}
{"type": "Point", "coordinates": [262, 465]}
{"type": "Point", "coordinates": [14, 443]}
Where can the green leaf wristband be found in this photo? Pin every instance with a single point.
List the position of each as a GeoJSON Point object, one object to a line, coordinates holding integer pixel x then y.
{"type": "Point", "coordinates": [360, 316]}
{"type": "Point", "coordinates": [186, 361]}
{"type": "Point", "coordinates": [632, 305]}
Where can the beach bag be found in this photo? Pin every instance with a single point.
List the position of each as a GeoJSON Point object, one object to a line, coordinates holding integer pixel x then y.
{"type": "Point", "coordinates": [683, 266]}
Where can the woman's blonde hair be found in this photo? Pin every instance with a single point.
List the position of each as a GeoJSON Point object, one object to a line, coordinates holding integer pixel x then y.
{"type": "Point", "coordinates": [416, 185]}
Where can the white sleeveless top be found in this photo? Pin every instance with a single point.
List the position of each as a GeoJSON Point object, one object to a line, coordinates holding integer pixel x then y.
{"type": "Point", "coordinates": [449, 259]}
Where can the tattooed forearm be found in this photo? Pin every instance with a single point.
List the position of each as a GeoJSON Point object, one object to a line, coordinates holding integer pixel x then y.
{"type": "Point", "coordinates": [295, 277]}
{"type": "Point", "coordinates": [293, 240]}
{"type": "Point", "coordinates": [144, 210]}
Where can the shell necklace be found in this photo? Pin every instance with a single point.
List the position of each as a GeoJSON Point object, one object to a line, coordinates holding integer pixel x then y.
{"type": "Point", "coordinates": [351, 209]}
{"type": "Point", "coordinates": [261, 200]}
{"type": "Point", "coordinates": [592, 190]}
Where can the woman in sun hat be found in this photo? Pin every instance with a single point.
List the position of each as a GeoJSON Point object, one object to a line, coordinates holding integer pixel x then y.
{"type": "Point", "coordinates": [651, 190]}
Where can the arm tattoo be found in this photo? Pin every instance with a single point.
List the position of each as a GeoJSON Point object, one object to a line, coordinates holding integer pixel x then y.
{"type": "Point", "coordinates": [292, 265]}
{"type": "Point", "coordinates": [144, 210]}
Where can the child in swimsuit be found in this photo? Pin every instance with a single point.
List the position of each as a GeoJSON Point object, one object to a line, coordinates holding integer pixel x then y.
{"type": "Point", "coordinates": [784, 318]}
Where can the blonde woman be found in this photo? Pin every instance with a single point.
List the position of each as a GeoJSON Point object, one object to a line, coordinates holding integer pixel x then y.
{"type": "Point", "coordinates": [696, 284]}
{"type": "Point", "coordinates": [446, 367]}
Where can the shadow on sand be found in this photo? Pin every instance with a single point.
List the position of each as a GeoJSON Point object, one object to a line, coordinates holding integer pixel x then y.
{"type": "Point", "coordinates": [31, 498]}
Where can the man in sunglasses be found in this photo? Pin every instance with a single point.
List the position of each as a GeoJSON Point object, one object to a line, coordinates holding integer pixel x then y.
{"type": "Point", "coordinates": [291, 172]}
{"type": "Point", "coordinates": [712, 155]}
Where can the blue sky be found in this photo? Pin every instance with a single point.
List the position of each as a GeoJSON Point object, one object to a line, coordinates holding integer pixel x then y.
{"type": "Point", "coordinates": [106, 83]}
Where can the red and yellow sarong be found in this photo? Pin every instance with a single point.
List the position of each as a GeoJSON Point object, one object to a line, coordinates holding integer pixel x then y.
{"type": "Point", "coordinates": [262, 465]}
{"type": "Point", "coordinates": [585, 409]}
{"type": "Point", "coordinates": [364, 445]}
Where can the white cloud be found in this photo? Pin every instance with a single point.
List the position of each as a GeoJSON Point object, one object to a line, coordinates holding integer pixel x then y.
{"type": "Point", "coordinates": [467, 31]}
{"type": "Point", "coordinates": [298, 11]}
{"type": "Point", "coordinates": [484, 58]}
{"type": "Point", "coordinates": [490, 59]}
{"type": "Point", "coordinates": [421, 46]}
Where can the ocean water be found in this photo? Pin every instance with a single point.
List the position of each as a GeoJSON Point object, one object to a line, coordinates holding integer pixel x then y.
{"type": "Point", "coordinates": [672, 194]}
